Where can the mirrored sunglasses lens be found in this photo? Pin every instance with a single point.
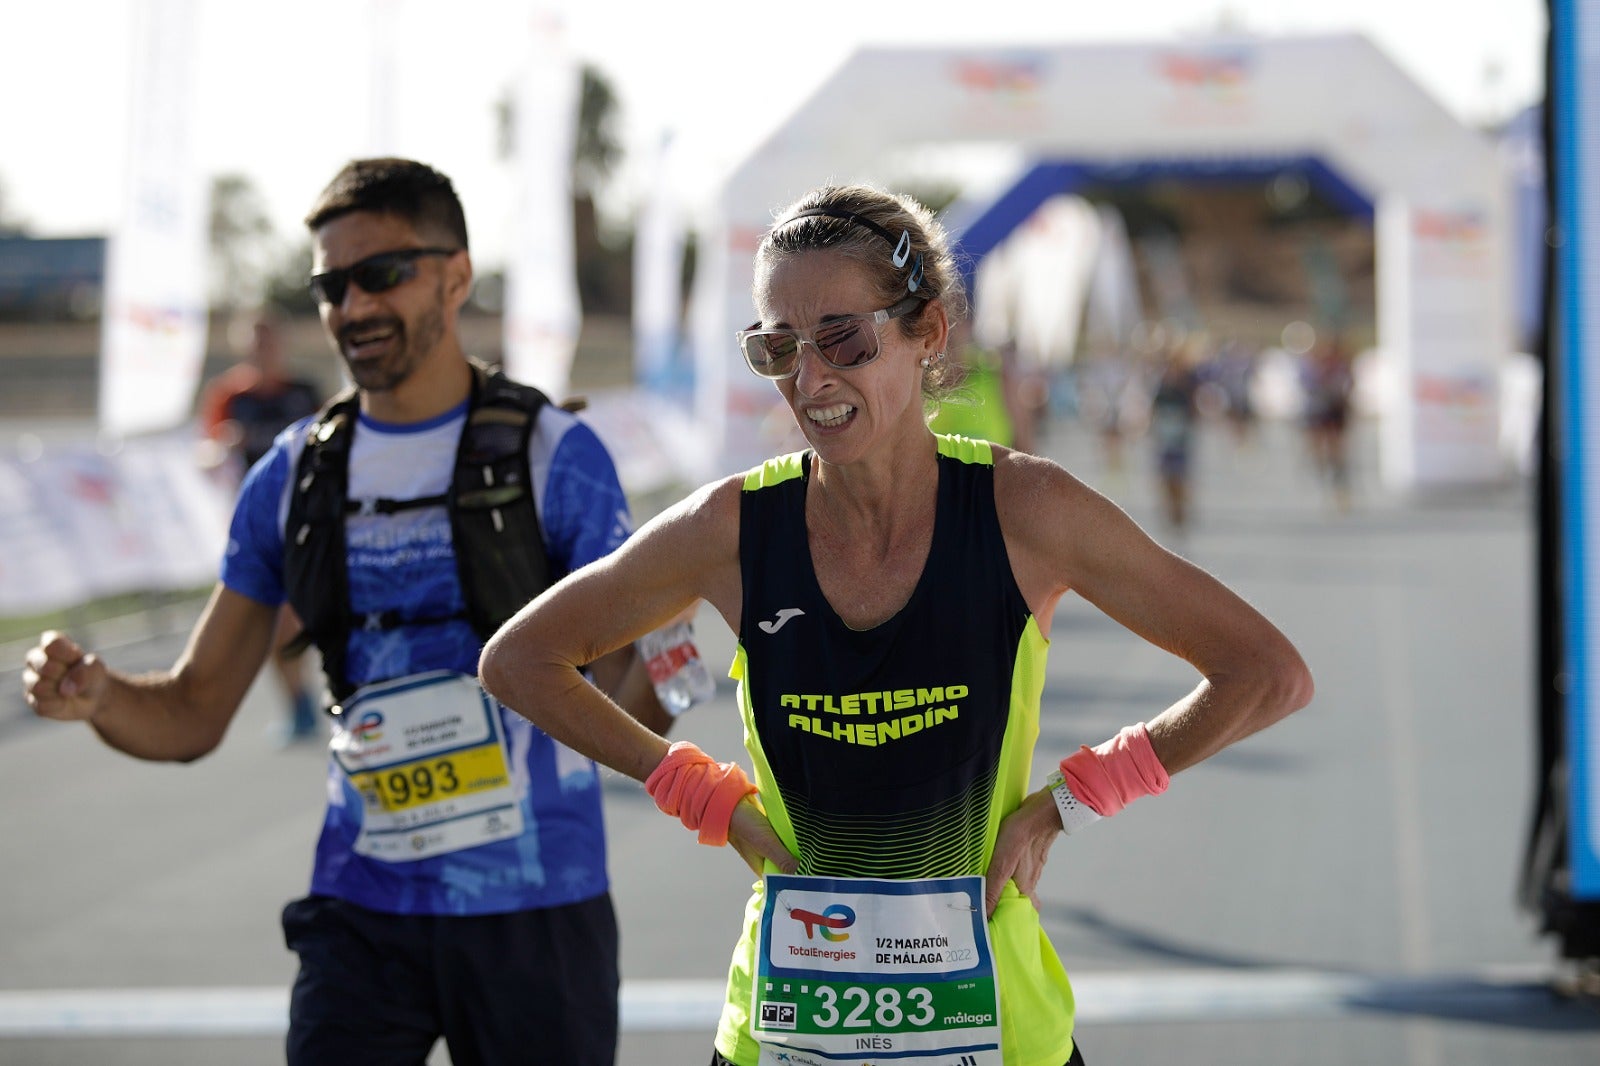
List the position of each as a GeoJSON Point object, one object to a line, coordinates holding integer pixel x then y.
{"type": "Point", "coordinates": [772, 355]}
{"type": "Point", "coordinates": [849, 343]}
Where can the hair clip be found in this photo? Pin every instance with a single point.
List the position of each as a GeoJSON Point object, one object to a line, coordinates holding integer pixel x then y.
{"type": "Point", "coordinates": [902, 250]}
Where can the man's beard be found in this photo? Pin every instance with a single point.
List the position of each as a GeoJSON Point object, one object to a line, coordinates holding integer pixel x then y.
{"type": "Point", "coordinates": [387, 373]}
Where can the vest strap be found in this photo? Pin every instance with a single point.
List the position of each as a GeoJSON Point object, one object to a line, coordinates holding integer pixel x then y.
{"type": "Point", "coordinates": [500, 555]}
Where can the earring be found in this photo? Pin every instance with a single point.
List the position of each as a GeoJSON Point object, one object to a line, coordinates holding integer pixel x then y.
{"type": "Point", "coordinates": [924, 362]}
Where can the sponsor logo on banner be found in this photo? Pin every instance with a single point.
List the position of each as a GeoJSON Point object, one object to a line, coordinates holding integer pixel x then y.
{"type": "Point", "coordinates": [1457, 227]}
{"type": "Point", "coordinates": [1453, 408]}
{"type": "Point", "coordinates": [1210, 71]}
{"type": "Point", "coordinates": [1009, 77]}
{"type": "Point", "coordinates": [92, 487]}
{"type": "Point", "coordinates": [1209, 85]}
{"type": "Point", "coordinates": [1451, 242]}
{"type": "Point", "coordinates": [1000, 93]}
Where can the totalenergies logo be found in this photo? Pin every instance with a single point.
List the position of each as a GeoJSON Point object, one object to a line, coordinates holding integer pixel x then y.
{"type": "Point", "coordinates": [1438, 390]}
{"type": "Point", "coordinates": [1011, 76]}
{"type": "Point", "coordinates": [1206, 70]}
{"type": "Point", "coordinates": [828, 923]}
{"type": "Point", "coordinates": [1456, 227]}
{"type": "Point", "coordinates": [168, 320]}
{"type": "Point", "coordinates": [92, 487]}
{"type": "Point", "coordinates": [369, 727]}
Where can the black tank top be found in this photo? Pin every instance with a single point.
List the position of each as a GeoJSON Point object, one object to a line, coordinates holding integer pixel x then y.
{"type": "Point", "coordinates": [885, 745]}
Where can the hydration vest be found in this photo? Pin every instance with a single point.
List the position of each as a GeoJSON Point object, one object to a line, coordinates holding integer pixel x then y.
{"type": "Point", "coordinates": [494, 522]}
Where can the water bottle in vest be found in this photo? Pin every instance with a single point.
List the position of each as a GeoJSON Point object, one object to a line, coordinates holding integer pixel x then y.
{"type": "Point", "coordinates": [679, 675]}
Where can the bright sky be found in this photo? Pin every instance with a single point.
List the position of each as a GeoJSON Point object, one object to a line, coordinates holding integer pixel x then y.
{"type": "Point", "coordinates": [284, 86]}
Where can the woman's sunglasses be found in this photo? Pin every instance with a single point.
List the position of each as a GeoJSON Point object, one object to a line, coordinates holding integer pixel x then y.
{"type": "Point", "coordinates": [845, 342]}
{"type": "Point", "coordinates": [375, 273]}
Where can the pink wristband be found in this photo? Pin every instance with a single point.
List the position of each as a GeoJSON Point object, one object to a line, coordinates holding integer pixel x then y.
{"type": "Point", "coordinates": [1116, 773]}
{"type": "Point", "coordinates": [699, 791]}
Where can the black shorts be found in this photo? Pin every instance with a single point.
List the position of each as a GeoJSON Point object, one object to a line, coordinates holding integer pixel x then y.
{"type": "Point", "coordinates": [529, 987]}
{"type": "Point", "coordinates": [1076, 1060]}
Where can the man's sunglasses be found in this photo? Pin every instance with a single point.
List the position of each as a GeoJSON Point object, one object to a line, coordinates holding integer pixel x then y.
{"type": "Point", "coordinates": [845, 342]}
{"type": "Point", "coordinates": [375, 273]}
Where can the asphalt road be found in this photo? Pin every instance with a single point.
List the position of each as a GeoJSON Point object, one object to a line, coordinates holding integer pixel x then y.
{"type": "Point", "coordinates": [1338, 889]}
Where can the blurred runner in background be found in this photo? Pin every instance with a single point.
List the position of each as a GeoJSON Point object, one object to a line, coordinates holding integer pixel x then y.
{"type": "Point", "coordinates": [242, 410]}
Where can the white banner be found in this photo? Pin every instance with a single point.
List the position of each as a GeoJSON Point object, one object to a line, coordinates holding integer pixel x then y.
{"type": "Point", "coordinates": [1112, 308]}
{"type": "Point", "coordinates": [660, 360]}
{"type": "Point", "coordinates": [77, 523]}
{"type": "Point", "coordinates": [657, 447]}
{"type": "Point", "coordinates": [542, 312]}
{"type": "Point", "coordinates": [383, 84]}
{"type": "Point", "coordinates": [154, 332]}
{"type": "Point", "coordinates": [1436, 261]}
{"type": "Point", "coordinates": [38, 569]}
{"type": "Point", "coordinates": [1052, 261]}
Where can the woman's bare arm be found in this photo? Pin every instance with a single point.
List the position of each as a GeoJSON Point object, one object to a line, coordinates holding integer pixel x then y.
{"type": "Point", "coordinates": [687, 553]}
{"type": "Point", "coordinates": [1064, 536]}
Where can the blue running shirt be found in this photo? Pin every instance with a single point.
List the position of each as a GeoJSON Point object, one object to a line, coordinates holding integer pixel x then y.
{"type": "Point", "coordinates": [405, 562]}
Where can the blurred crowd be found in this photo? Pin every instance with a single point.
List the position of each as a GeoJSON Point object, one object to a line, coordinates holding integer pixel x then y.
{"type": "Point", "coordinates": [1150, 398]}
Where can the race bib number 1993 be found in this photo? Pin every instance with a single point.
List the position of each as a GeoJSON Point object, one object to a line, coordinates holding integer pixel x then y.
{"type": "Point", "coordinates": [427, 756]}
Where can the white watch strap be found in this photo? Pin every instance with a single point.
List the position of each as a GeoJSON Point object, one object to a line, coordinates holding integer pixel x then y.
{"type": "Point", "coordinates": [1075, 814]}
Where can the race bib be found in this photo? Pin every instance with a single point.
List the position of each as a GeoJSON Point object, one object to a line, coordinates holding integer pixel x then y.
{"type": "Point", "coordinates": [427, 755]}
{"type": "Point", "coordinates": [852, 972]}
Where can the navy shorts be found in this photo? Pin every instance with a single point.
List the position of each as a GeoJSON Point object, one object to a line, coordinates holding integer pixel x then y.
{"type": "Point", "coordinates": [532, 987]}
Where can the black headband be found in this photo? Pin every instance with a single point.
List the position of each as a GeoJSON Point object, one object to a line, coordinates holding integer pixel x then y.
{"type": "Point", "coordinates": [901, 246]}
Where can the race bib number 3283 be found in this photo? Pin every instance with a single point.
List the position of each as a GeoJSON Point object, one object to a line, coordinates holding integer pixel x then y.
{"type": "Point", "coordinates": [856, 970]}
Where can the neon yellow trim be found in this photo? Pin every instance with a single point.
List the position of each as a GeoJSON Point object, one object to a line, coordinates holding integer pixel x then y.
{"type": "Point", "coordinates": [761, 769]}
{"type": "Point", "coordinates": [1013, 782]}
{"type": "Point", "coordinates": [776, 471]}
{"type": "Point", "coordinates": [733, 1028]}
{"type": "Point", "coordinates": [965, 449]}
{"type": "Point", "coordinates": [1033, 984]}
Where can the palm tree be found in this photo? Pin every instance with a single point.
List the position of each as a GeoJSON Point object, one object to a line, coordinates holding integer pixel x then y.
{"type": "Point", "coordinates": [604, 261]}
{"type": "Point", "coordinates": [242, 242]}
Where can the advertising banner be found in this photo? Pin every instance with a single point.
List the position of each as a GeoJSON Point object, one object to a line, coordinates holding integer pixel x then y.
{"type": "Point", "coordinates": [542, 312]}
{"type": "Point", "coordinates": [1436, 262]}
{"type": "Point", "coordinates": [78, 523]}
{"type": "Point", "coordinates": [154, 331]}
{"type": "Point", "coordinates": [660, 361]}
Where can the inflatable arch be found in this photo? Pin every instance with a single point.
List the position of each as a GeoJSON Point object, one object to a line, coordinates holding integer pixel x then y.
{"type": "Point", "coordinates": [1334, 106]}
